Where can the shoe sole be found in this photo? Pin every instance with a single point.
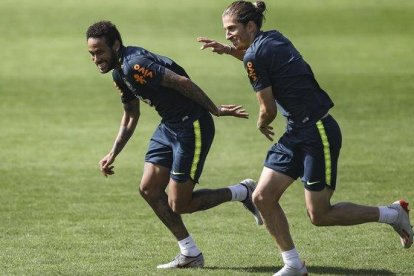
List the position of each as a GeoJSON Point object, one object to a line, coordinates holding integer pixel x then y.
{"type": "Point", "coordinates": [406, 241]}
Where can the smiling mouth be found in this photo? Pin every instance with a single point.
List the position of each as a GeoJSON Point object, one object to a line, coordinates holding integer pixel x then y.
{"type": "Point", "coordinates": [101, 66]}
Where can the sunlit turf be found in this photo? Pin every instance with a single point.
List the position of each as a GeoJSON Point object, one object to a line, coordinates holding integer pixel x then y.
{"type": "Point", "coordinates": [59, 116]}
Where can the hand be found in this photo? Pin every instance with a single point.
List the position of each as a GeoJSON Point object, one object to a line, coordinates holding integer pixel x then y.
{"type": "Point", "coordinates": [105, 165]}
{"type": "Point", "coordinates": [267, 131]}
{"type": "Point", "coordinates": [215, 46]}
{"type": "Point", "coordinates": [233, 110]}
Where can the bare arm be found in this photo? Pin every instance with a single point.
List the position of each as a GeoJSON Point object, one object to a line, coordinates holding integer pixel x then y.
{"type": "Point", "coordinates": [129, 122]}
{"type": "Point", "coordinates": [267, 112]}
{"type": "Point", "coordinates": [221, 48]}
{"type": "Point", "coordinates": [191, 90]}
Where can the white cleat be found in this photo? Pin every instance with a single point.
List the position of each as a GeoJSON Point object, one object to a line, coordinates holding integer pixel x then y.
{"type": "Point", "coordinates": [182, 261]}
{"type": "Point", "coordinates": [250, 185]}
{"type": "Point", "coordinates": [402, 225]}
{"type": "Point", "coordinates": [290, 271]}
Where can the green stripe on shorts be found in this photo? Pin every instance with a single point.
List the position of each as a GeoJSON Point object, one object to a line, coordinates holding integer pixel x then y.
{"type": "Point", "coordinates": [197, 149]}
{"type": "Point", "coordinates": [326, 152]}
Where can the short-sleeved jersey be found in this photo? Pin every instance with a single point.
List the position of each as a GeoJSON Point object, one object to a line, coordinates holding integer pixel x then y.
{"type": "Point", "coordinates": [272, 60]}
{"type": "Point", "coordinates": [140, 77]}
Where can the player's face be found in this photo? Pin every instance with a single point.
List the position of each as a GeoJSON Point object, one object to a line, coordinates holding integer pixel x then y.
{"type": "Point", "coordinates": [239, 34]}
{"type": "Point", "coordinates": [102, 55]}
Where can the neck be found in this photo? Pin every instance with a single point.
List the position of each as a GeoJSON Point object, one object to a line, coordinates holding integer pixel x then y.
{"type": "Point", "coordinates": [253, 35]}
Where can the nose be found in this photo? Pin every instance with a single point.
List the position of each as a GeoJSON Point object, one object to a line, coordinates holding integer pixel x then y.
{"type": "Point", "coordinates": [228, 35]}
{"type": "Point", "coordinates": [95, 58]}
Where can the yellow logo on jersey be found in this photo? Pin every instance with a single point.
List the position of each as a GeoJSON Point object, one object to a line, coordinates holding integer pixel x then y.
{"type": "Point", "coordinates": [250, 71]}
{"type": "Point", "coordinates": [142, 74]}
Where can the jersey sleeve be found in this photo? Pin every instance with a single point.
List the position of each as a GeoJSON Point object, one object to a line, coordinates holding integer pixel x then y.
{"type": "Point", "coordinates": [146, 72]}
{"type": "Point", "coordinates": [126, 94]}
{"type": "Point", "coordinates": [255, 66]}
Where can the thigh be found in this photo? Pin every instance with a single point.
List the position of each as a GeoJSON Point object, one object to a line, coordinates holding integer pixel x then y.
{"type": "Point", "coordinates": [180, 192]}
{"type": "Point", "coordinates": [191, 148]}
{"type": "Point", "coordinates": [155, 178]}
{"type": "Point", "coordinates": [272, 184]}
{"type": "Point", "coordinates": [319, 201]}
{"type": "Point", "coordinates": [321, 153]}
{"type": "Point", "coordinates": [159, 149]}
{"type": "Point", "coordinates": [285, 156]}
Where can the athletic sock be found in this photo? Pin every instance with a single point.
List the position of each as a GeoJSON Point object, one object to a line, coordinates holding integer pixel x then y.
{"type": "Point", "coordinates": [238, 192]}
{"type": "Point", "coordinates": [387, 215]}
{"type": "Point", "coordinates": [188, 247]}
{"type": "Point", "coordinates": [291, 258]}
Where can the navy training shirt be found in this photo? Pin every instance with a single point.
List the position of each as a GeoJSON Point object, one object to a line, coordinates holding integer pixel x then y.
{"type": "Point", "coordinates": [272, 60]}
{"type": "Point", "coordinates": [140, 77]}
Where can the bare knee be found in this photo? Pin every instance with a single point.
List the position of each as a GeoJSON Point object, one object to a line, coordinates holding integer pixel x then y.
{"type": "Point", "coordinates": [148, 192]}
{"type": "Point", "coordinates": [262, 200]}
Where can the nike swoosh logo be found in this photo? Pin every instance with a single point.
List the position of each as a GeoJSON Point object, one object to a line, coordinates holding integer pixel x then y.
{"type": "Point", "coordinates": [312, 183]}
{"type": "Point", "coordinates": [177, 173]}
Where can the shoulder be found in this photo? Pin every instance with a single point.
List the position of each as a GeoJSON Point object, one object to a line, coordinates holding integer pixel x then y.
{"type": "Point", "coordinates": [115, 75]}
{"type": "Point", "coordinates": [258, 50]}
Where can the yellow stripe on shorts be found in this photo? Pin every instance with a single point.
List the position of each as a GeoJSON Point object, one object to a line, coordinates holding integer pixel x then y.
{"type": "Point", "coordinates": [326, 152]}
{"type": "Point", "coordinates": [197, 149]}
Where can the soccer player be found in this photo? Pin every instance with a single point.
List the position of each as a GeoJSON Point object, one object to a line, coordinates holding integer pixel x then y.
{"type": "Point", "coordinates": [311, 144]}
{"type": "Point", "coordinates": [180, 143]}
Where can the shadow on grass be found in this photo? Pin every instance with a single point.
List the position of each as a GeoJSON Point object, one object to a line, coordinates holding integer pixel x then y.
{"type": "Point", "coordinates": [312, 269]}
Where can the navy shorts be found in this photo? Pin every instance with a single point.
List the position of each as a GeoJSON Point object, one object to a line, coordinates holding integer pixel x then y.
{"type": "Point", "coordinates": [309, 152]}
{"type": "Point", "coordinates": [183, 147]}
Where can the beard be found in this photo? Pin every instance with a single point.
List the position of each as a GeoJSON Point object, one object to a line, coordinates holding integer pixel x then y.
{"type": "Point", "coordinates": [106, 66]}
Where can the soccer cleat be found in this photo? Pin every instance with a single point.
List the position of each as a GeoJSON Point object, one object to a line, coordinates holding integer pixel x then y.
{"type": "Point", "coordinates": [290, 271]}
{"type": "Point", "coordinates": [402, 224]}
{"type": "Point", "coordinates": [250, 185]}
{"type": "Point", "coordinates": [182, 261]}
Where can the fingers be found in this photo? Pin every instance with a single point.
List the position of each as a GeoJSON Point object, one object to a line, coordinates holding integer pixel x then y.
{"type": "Point", "coordinates": [104, 166]}
{"type": "Point", "coordinates": [212, 44]}
{"type": "Point", "coordinates": [216, 47]}
{"type": "Point", "coordinates": [107, 170]}
{"type": "Point", "coordinates": [242, 114]}
{"type": "Point", "coordinates": [204, 39]}
{"type": "Point", "coordinates": [268, 132]}
{"type": "Point", "coordinates": [233, 110]}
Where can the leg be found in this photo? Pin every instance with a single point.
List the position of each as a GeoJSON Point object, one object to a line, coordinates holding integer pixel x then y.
{"type": "Point", "coordinates": [271, 186]}
{"type": "Point", "coordinates": [182, 199]}
{"type": "Point", "coordinates": [152, 189]}
{"type": "Point", "coordinates": [322, 213]}
{"type": "Point", "coordinates": [266, 197]}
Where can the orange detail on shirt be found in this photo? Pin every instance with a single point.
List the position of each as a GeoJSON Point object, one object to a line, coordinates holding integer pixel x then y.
{"type": "Point", "coordinates": [250, 71]}
{"type": "Point", "coordinates": [142, 74]}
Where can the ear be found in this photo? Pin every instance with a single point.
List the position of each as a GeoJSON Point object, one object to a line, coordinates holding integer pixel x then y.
{"type": "Point", "coordinates": [251, 27]}
{"type": "Point", "coordinates": [116, 46]}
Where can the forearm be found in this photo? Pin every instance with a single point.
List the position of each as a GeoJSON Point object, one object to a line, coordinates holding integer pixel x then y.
{"type": "Point", "coordinates": [190, 90]}
{"type": "Point", "coordinates": [126, 130]}
{"type": "Point", "coordinates": [195, 93]}
{"type": "Point", "coordinates": [232, 51]}
{"type": "Point", "coordinates": [265, 119]}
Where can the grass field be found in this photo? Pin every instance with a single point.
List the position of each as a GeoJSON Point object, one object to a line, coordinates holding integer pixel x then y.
{"type": "Point", "coordinates": [59, 117]}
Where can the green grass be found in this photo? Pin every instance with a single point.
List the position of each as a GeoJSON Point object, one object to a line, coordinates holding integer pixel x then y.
{"type": "Point", "coordinates": [58, 215]}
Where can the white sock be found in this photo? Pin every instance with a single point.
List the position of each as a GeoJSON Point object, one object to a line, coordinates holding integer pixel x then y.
{"type": "Point", "coordinates": [188, 247]}
{"type": "Point", "coordinates": [387, 215]}
{"type": "Point", "coordinates": [291, 258]}
{"type": "Point", "coordinates": [238, 192]}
